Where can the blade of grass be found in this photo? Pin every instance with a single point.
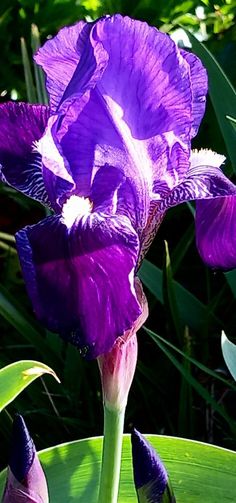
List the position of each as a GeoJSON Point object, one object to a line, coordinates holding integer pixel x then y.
{"type": "Point", "coordinates": [192, 360]}
{"type": "Point", "coordinates": [31, 95]}
{"type": "Point", "coordinates": [169, 294]}
{"type": "Point", "coordinates": [15, 315]}
{"type": "Point", "coordinates": [38, 72]}
{"type": "Point", "coordinates": [195, 384]}
{"type": "Point", "coordinates": [192, 311]}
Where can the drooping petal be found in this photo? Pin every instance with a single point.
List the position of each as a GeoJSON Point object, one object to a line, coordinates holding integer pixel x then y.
{"type": "Point", "coordinates": [205, 180]}
{"type": "Point", "coordinates": [22, 125]}
{"type": "Point", "coordinates": [26, 481]}
{"type": "Point", "coordinates": [81, 278]}
{"type": "Point", "coordinates": [199, 86]}
{"type": "Point", "coordinates": [216, 232]}
{"type": "Point", "coordinates": [150, 476]}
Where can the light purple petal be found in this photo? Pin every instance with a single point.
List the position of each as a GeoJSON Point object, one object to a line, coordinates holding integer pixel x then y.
{"type": "Point", "coordinates": [205, 180]}
{"type": "Point", "coordinates": [199, 86]}
{"type": "Point", "coordinates": [22, 125]}
{"type": "Point", "coordinates": [216, 232]}
{"type": "Point", "coordinates": [137, 117]}
{"type": "Point", "coordinates": [71, 53]}
{"type": "Point", "coordinates": [81, 280]}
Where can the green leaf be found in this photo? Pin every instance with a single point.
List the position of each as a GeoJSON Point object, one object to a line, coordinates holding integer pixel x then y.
{"type": "Point", "coordinates": [201, 390]}
{"type": "Point", "coordinates": [192, 312]}
{"type": "Point", "coordinates": [15, 377]}
{"type": "Point", "coordinates": [199, 472]}
{"type": "Point", "coordinates": [222, 93]}
{"type": "Point", "coordinates": [27, 327]}
{"type": "Point", "coordinates": [231, 280]}
{"type": "Point", "coordinates": [229, 354]}
{"type": "Point", "coordinates": [31, 95]}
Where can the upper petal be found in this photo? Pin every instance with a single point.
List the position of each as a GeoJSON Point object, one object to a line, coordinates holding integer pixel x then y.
{"type": "Point", "coordinates": [71, 53]}
{"type": "Point", "coordinates": [135, 116]}
{"type": "Point", "coordinates": [22, 125]}
{"type": "Point", "coordinates": [81, 281]}
{"type": "Point", "coordinates": [216, 231]}
{"type": "Point", "coordinates": [199, 86]}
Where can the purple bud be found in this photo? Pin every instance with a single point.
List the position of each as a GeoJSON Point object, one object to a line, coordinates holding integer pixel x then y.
{"type": "Point", "coordinates": [150, 476]}
{"type": "Point", "coordinates": [26, 481]}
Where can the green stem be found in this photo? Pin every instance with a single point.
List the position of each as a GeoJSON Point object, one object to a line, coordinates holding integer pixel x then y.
{"type": "Point", "coordinates": [111, 455]}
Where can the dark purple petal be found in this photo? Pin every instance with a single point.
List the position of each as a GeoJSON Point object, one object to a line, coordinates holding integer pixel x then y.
{"type": "Point", "coordinates": [150, 476]}
{"type": "Point", "coordinates": [216, 232]}
{"type": "Point", "coordinates": [205, 180]}
{"type": "Point", "coordinates": [22, 125]}
{"type": "Point", "coordinates": [26, 481]}
{"type": "Point", "coordinates": [22, 450]}
{"type": "Point", "coordinates": [147, 465]}
{"type": "Point", "coordinates": [199, 86]}
{"type": "Point", "coordinates": [81, 278]}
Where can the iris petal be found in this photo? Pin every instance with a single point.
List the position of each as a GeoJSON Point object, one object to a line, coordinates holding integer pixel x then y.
{"type": "Point", "coordinates": [81, 281]}
{"type": "Point", "coordinates": [22, 125]}
{"type": "Point", "coordinates": [199, 87]}
{"type": "Point", "coordinates": [216, 231]}
{"type": "Point", "coordinates": [205, 180]}
{"type": "Point", "coordinates": [136, 114]}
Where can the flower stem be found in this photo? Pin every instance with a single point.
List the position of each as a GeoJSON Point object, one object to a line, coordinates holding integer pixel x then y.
{"type": "Point", "coordinates": [111, 455]}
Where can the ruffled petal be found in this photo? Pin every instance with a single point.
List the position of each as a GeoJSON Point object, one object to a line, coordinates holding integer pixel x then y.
{"type": "Point", "coordinates": [199, 86]}
{"type": "Point", "coordinates": [22, 125]}
{"type": "Point", "coordinates": [205, 180]}
{"type": "Point", "coordinates": [81, 279]}
{"type": "Point", "coordinates": [71, 54]}
{"type": "Point", "coordinates": [136, 116]}
{"type": "Point", "coordinates": [216, 232]}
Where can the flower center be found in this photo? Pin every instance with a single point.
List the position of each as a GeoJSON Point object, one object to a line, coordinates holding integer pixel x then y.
{"type": "Point", "coordinates": [75, 207]}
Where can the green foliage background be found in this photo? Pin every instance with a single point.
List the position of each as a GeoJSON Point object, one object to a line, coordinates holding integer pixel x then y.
{"type": "Point", "coordinates": [181, 386]}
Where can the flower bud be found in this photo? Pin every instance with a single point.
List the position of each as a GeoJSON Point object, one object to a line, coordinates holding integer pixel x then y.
{"type": "Point", "coordinates": [26, 481]}
{"type": "Point", "coordinates": [150, 476]}
{"type": "Point", "coordinates": [117, 367]}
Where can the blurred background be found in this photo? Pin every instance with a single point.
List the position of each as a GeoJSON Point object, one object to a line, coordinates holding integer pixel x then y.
{"type": "Point", "coordinates": [181, 387]}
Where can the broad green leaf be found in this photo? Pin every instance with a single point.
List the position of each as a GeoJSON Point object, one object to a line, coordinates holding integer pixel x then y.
{"type": "Point", "coordinates": [229, 354]}
{"type": "Point", "coordinates": [15, 377]}
{"type": "Point", "coordinates": [199, 472]}
{"type": "Point", "coordinates": [222, 93]}
{"type": "Point", "coordinates": [192, 312]}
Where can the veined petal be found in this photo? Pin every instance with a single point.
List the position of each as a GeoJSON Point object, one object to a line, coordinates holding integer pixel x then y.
{"type": "Point", "coordinates": [131, 111]}
{"type": "Point", "coordinates": [22, 125]}
{"type": "Point", "coordinates": [71, 54]}
{"type": "Point", "coordinates": [216, 231]}
{"type": "Point", "coordinates": [199, 86]}
{"type": "Point", "coordinates": [205, 180]}
{"type": "Point", "coordinates": [81, 279]}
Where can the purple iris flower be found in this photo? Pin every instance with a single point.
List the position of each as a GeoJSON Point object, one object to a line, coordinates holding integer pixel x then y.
{"type": "Point", "coordinates": [26, 481]}
{"type": "Point", "coordinates": [150, 476]}
{"type": "Point", "coordinates": [110, 156]}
